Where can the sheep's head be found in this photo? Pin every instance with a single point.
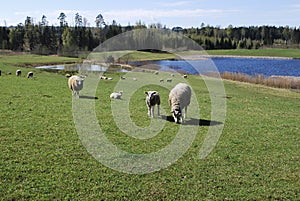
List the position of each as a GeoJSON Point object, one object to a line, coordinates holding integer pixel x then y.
{"type": "Point", "coordinates": [79, 83]}
{"type": "Point", "coordinates": [152, 97]}
{"type": "Point", "coordinates": [177, 115]}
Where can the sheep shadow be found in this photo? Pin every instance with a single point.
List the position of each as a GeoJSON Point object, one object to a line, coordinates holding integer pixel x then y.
{"type": "Point", "coordinates": [89, 97]}
{"type": "Point", "coordinates": [193, 121]}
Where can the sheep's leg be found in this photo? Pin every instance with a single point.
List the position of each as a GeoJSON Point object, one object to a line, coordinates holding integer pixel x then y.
{"type": "Point", "coordinates": [185, 112]}
{"type": "Point", "coordinates": [149, 111]}
{"type": "Point", "coordinates": [158, 112]}
{"type": "Point", "coordinates": [152, 111]}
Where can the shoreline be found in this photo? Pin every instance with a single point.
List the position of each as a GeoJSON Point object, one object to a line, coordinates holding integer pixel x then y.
{"type": "Point", "coordinates": [208, 56]}
{"type": "Point", "coordinates": [252, 57]}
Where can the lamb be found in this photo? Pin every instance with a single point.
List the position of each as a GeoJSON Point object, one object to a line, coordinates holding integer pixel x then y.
{"type": "Point", "coordinates": [152, 99]}
{"type": "Point", "coordinates": [116, 95]}
{"type": "Point", "coordinates": [179, 99]}
{"type": "Point", "coordinates": [18, 72]}
{"type": "Point", "coordinates": [75, 84]}
{"type": "Point", "coordinates": [30, 74]}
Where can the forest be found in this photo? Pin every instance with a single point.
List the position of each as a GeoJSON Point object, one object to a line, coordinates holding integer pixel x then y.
{"type": "Point", "coordinates": [45, 39]}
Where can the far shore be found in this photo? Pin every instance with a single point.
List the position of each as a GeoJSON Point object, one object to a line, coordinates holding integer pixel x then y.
{"type": "Point", "coordinates": [249, 57]}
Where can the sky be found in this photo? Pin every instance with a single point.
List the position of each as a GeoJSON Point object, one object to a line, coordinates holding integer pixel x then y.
{"type": "Point", "coordinates": [171, 13]}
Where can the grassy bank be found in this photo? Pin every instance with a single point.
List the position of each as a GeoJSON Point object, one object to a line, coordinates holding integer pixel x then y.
{"type": "Point", "coordinates": [32, 60]}
{"type": "Point", "coordinates": [289, 53]}
{"type": "Point", "coordinates": [42, 157]}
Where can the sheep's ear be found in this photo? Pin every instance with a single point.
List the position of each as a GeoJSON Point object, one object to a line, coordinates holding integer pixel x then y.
{"type": "Point", "coordinates": [146, 92]}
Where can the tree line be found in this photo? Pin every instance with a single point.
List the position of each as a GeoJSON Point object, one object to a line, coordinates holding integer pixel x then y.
{"type": "Point", "coordinates": [42, 38]}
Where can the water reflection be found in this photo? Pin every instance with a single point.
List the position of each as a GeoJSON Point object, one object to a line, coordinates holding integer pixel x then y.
{"type": "Point", "coordinates": [76, 67]}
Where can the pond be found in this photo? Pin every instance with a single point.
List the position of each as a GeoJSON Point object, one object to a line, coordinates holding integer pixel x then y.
{"type": "Point", "coordinates": [249, 66]}
{"type": "Point", "coordinates": [76, 67]}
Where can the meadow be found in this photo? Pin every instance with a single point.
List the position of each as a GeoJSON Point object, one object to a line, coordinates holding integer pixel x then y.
{"type": "Point", "coordinates": [43, 157]}
{"type": "Point", "coordinates": [267, 52]}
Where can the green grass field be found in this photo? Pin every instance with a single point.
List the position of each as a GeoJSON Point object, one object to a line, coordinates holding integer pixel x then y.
{"type": "Point", "coordinates": [43, 158]}
{"type": "Point", "coordinates": [290, 53]}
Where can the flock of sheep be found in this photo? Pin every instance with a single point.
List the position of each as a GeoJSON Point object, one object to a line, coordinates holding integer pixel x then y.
{"type": "Point", "coordinates": [19, 73]}
{"type": "Point", "coordinates": [179, 97]}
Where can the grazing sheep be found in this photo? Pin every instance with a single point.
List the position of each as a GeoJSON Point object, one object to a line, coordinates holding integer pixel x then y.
{"type": "Point", "coordinates": [116, 95]}
{"type": "Point", "coordinates": [18, 73]}
{"type": "Point", "coordinates": [169, 80]}
{"type": "Point", "coordinates": [135, 79]}
{"type": "Point", "coordinates": [156, 72]}
{"type": "Point", "coordinates": [30, 74]}
{"type": "Point", "coordinates": [152, 99]}
{"type": "Point", "coordinates": [172, 75]}
{"type": "Point", "coordinates": [75, 84]}
{"type": "Point", "coordinates": [109, 78]}
{"type": "Point", "coordinates": [161, 80]}
{"type": "Point", "coordinates": [179, 99]}
{"type": "Point", "coordinates": [123, 78]}
{"type": "Point", "coordinates": [184, 76]}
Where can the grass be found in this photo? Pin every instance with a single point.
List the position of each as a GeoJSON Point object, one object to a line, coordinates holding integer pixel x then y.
{"type": "Point", "coordinates": [32, 60]}
{"type": "Point", "coordinates": [126, 56]}
{"type": "Point", "coordinates": [42, 157]}
{"type": "Point", "coordinates": [272, 52]}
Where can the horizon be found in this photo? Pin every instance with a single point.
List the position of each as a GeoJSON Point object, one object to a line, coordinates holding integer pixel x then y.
{"type": "Point", "coordinates": [180, 13]}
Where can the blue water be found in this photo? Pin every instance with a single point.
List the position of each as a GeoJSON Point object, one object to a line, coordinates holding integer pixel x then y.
{"type": "Point", "coordinates": [249, 66]}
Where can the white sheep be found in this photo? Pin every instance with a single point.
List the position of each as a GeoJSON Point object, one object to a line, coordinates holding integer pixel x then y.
{"type": "Point", "coordinates": [169, 80]}
{"type": "Point", "coordinates": [116, 95]}
{"type": "Point", "coordinates": [18, 72]}
{"type": "Point", "coordinates": [75, 84]}
{"type": "Point", "coordinates": [179, 99]}
{"type": "Point", "coordinates": [152, 99]}
{"type": "Point", "coordinates": [30, 74]}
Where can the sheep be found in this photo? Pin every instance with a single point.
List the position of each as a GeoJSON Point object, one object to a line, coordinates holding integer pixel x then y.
{"type": "Point", "coordinates": [75, 84]}
{"type": "Point", "coordinates": [169, 80]}
{"type": "Point", "coordinates": [109, 78]}
{"type": "Point", "coordinates": [134, 79]}
{"type": "Point", "coordinates": [179, 99]}
{"type": "Point", "coordinates": [30, 74]}
{"type": "Point", "coordinates": [184, 76]}
{"type": "Point", "coordinates": [161, 80]}
{"type": "Point", "coordinates": [152, 99]}
{"type": "Point", "coordinates": [123, 78]}
{"type": "Point", "coordinates": [18, 72]}
{"type": "Point", "coordinates": [103, 78]}
{"type": "Point", "coordinates": [68, 75]}
{"type": "Point", "coordinates": [116, 95]}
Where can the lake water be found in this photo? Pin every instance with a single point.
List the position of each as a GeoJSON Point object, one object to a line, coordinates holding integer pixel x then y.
{"type": "Point", "coordinates": [249, 66]}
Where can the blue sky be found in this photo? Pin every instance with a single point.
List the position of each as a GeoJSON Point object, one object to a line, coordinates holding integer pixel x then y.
{"type": "Point", "coordinates": [184, 13]}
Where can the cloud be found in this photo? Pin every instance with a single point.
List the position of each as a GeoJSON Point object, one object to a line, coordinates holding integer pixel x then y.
{"type": "Point", "coordinates": [124, 17]}
{"type": "Point", "coordinates": [173, 4]}
{"type": "Point", "coordinates": [295, 6]}
{"type": "Point", "coordinates": [174, 13]}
